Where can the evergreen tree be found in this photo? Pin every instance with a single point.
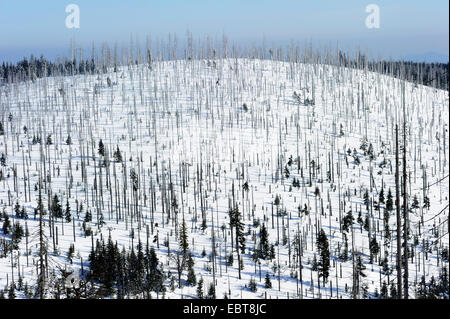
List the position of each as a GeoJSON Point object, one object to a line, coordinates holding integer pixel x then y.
{"type": "Point", "coordinates": [140, 267]}
{"type": "Point", "coordinates": [267, 282]}
{"type": "Point", "coordinates": [422, 292]}
{"type": "Point", "coordinates": [366, 223]}
{"type": "Point", "coordinates": [317, 192]}
{"type": "Point", "coordinates": [426, 202]}
{"type": "Point", "coordinates": [235, 221]}
{"type": "Point", "coordinates": [17, 209]}
{"type": "Point", "coordinates": [156, 276]}
{"type": "Point", "coordinates": [389, 202]}
{"type": "Point", "coordinates": [304, 211]}
{"type": "Point", "coordinates": [17, 235]}
{"type": "Point", "coordinates": [101, 148]}
{"type": "Point", "coordinates": [71, 252]}
{"type": "Point", "coordinates": [230, 260]}
{"type": "Point", "coordinates": [365, 288]}
{"type": "Point", "coordinates": [23, 213]}
{"type": "Point", "coordinates": [286, 172]}
{"type": "Point", "coordinates": [200, 289]}
{"type": "Point", "coordinates": [381, 197]}
{"type": "Point", "coordinates": [360, 220]}
{"type": "Point", "coordinates": [67, 212]}
{"type": "Point", "coordinates": [415, 203]}
{"type": "Point", "coordinates": [344, 253]}
{"type": "Point", "coordinates": [184, 246]}
{"type": "Point", "coordinates": [132, 273]}
{"type": "Point", "coordinates": [393, 289]}
{"type": "Point", "coordinates": [386, 218]}
{"type": "Point", "coordinates": [277, 200]}
{"type": "Point", "coordinates": [49, 140]}
{"type": "Point", "coordinates": [252, 285]}
{"type": "Point", "coordinates": [203, 225]}
{"type": "Point", "coordinates": [239, 227]}
{"type": "Point", "coordinates": [314, 265]}
{"type": "Point", "coordinates": [134, 179]}
{"type": "Point", "coordinates": [211, 291]}
{"type": "Point", "coordinates": [117, 155]}
{"type": "Point", "coordinates": [324, 253]}
{"type": "Point", "coordinates": [366, 199]}
{"type": "Point", "coordinates": [384, 293]}
{"type": "Point", "coordinates": [12, 292]}
{"type": "Point", "coordinates": [444, 283]}
{"type": "Point", "coordinates": [264, 249]}
{"type": "Point", "coordinates": [272, 252]}
{"type": "Point", "coordinates": [347, 221]}
{"type": "Point", "coordinates": [360, 267]}
{"type": "Point", "coordinates": [88, 216]}
{"type": "Point", "coordinates": [385, 264]}
{"type": "Point", "coordinates": [56, 208]}
{"type": "Point", "coordinates": [374, 248]}
{"type": "Point", "coordinates": [191, 278]}
{"type": "Point", "coordinates": [6, 228]}
{"type": "Point", "coordinates": [3, 160]}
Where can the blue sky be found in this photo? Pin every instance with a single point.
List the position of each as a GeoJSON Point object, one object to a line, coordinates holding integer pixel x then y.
{"type": "Point", "coordinates": [408, 27]}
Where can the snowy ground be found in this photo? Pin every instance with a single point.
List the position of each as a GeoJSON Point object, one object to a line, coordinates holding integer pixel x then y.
{"type": "Point", "coordinates": [194, 111]}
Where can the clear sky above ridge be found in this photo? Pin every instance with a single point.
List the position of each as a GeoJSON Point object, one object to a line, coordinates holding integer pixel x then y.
{"type": "Point", "coordinates": [407, 27]}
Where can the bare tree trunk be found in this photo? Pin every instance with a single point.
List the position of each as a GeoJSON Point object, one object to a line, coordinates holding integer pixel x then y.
{"type": "Point", "coordinates": [397, 204]}
{"type": "Point", "coordinates": [405, 200]}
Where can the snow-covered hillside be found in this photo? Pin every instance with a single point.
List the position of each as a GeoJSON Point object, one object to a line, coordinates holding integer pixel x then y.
{"type": "Point", "coordinates": [295, 147]}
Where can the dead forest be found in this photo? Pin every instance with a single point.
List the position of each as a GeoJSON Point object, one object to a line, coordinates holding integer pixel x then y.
{"type": "Point", "coordinates": [193, 168]}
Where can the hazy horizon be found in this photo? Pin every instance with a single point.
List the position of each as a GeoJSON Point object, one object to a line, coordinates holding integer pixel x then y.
{"type": "Point", "coordinates": [407, 28]}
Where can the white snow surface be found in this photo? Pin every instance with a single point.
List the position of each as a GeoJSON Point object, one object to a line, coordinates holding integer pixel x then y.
{"type": "Point", "coordinates": [194, 111]}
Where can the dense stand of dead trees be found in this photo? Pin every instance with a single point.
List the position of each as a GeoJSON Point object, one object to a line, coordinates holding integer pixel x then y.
{"type": "Point", "coordinates": [162, 159]}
